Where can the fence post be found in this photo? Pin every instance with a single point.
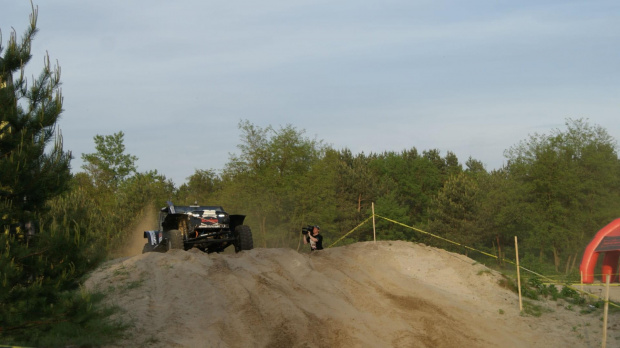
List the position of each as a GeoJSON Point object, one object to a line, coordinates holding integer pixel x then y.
{"type": "Point", "coordinates": [374, 232]}
{"type": "Point", "coordinates": [518, 275]}
{"type": "Point", "coordinates": [606, 311]}
{"type": "Point", "coordinates": [581, 283]}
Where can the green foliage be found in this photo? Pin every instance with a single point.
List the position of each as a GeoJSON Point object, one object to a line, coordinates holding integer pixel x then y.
{"type": "Point", "coordinates": [388, 206]}
{"type": "Point", "coordinates": [534, 288]}
{"type": "Point", "coordinates": [201, 188]}
{"type": "Point", "coordinates": [110, 165]}
{"type": "Point", "coordinates": [474, 167]}
{"type": "Point", "coordinates": [455, 211]}
{"type": "Point", "coordinates": [279, 181]}
{"type": "Point", "coordinates": [117, 195]}
{"type": "Point", "coordinates": [532, 309]}
{"type": "Point", "coordinates": [80, 228]}
{"type": "Point", "coordinates": [40, 279]}
{"type": "Point", "coordinates": [571, 294]}
{"type": "Point", "coordinates": [77, 318]}
{"type": "Point", "coordinates": [32, 172]}
{"type": "Point", "coordinates": [508, 283]}
{"type": "Point", "coordinates": [47, 243]}
{"type": "Point", "coordinates": [566, 185]}
{"type": "Point", "coordinates": [282, 181]}
{"type": "Point", "coordinates": [413, 179]}
{"type": "Point", "coordinates": [535, 263]}
{"type": "Point", "coordinates": [140, 192]}
{"type": "Point", "coordinates": [355, 187]}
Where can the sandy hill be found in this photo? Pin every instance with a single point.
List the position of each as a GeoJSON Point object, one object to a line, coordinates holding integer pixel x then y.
{"type": "Point", "coordinates": [388, 294]}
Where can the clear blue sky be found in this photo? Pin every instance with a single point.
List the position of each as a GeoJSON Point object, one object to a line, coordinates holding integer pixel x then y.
{"type": "Point", "coordinates": [471, 77]}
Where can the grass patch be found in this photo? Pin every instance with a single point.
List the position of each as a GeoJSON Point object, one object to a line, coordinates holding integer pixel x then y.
{"type": "Point", "coordinates": [588, 310]}
{"type": "Point", "coordinates": [123, 271]}
{"type": "Point", "coordinates": [133, 285]}
{"type": "Point", "coordinates": [534, 310]}
{"type": "Point", "coordinates": [507, 283]}
{"type": "Point", "coordinates": [534, 289]}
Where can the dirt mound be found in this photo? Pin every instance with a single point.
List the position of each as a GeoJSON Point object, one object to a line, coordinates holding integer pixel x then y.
{"type": "Point", "coordinates": [388, 294]}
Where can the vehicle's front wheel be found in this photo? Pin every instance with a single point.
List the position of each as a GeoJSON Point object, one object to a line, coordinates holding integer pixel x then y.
{"type": "Point", "coordinates": [174, 239]}
{"type": "Point", "coordinates": [244, 238]}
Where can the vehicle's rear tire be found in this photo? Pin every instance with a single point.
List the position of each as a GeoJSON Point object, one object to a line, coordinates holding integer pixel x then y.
{"type": "Point", "coordinates": [244, 238]}
{"type": "Point", "coordinates": [147, 248]}
{"type": "Point", "coordinates": [174, 239]}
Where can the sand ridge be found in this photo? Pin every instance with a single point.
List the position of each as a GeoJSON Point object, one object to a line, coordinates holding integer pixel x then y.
{"type": "Point", "coordinates": [384, 294]}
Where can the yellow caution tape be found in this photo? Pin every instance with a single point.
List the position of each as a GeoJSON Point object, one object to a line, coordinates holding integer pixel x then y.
{"type": "Point", "coordinates": [548, 279]}
{"type": "Point", "coordinates": [436, 236]}
{"type": "Point", "coordinates": [348, 233]}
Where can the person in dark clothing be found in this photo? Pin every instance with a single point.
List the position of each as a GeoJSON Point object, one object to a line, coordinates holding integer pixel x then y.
{"type": "Point", "coordinates": [315, 239]}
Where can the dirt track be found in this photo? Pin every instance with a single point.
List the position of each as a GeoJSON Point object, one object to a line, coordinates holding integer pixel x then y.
{"type": "Point", "coordinates": [389, 294]}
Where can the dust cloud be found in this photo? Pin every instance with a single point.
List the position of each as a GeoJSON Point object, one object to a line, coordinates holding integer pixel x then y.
{"type": "Point", "coordinates": [135, 241]}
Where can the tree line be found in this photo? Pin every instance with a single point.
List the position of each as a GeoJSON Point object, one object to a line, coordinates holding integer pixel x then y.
{"type": "Point", "coordinates": [554, 192]}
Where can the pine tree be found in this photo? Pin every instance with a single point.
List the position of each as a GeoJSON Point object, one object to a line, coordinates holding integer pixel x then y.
{"type": "Point", "coordinates": [29, 174]}
{"type": "Point", "coordinates": [38, 272]}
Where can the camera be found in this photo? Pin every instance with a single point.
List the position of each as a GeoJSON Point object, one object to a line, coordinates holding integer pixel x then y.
{"type": "Point", "coordinates": [307, 229]}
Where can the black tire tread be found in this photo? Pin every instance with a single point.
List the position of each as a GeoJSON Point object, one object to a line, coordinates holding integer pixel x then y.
{"type": "Point", "coordinates": [175, 239]}
{"type": "Point", "coordinates": [147, 248]}
{"type": "Point", "coordinates": [244, 236]}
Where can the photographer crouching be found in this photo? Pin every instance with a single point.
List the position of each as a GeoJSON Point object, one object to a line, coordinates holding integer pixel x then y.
{"type": "Point", "coordinates": [312, 236]}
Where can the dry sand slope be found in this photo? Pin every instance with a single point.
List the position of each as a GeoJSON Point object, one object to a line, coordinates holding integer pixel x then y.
{"type": "Point", "coordinates": [388, 294]}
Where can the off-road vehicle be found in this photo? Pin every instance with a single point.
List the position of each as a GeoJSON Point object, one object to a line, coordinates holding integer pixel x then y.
{"type": "Point", "coordinates": [208, 228]}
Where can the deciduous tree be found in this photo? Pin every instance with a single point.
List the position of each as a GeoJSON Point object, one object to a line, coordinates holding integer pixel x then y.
{"type": "Point", "coordinates": [269, 177]}
{"type": "Point", "coordinates": [571, 181]}
{"type": "Point", "coordinates": [109, 166]}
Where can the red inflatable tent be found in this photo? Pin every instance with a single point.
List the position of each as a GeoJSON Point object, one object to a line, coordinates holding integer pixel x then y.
{"type": "Point", "coordinates": [607, 241]}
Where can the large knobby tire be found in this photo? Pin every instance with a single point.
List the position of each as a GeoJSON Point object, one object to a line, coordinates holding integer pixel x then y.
{"type": "Point", "coordinates": [175, 239]}
{"type": "Point", "coordinates": [244, 238]}
{"type": "Point", "coordinates": [147, 248]}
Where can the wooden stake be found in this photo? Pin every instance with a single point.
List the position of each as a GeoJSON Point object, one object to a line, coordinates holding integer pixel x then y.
{"type": "Point", "coordinates": [606, 311]}
{"type": "Point", "coordinates": [581, 283]}
{"type": "Point", "coordinates": [518, 275]}
{"type": "Point", "coordinates": [499, 252]}
{"type": "Point", "coordinates": [374, 231]}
